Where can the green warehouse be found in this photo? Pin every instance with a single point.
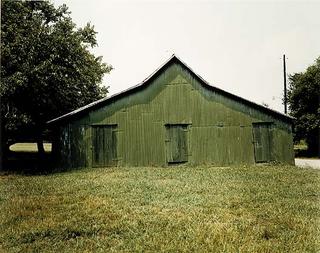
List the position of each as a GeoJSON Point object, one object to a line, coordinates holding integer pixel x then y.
{"type": "Point", "coordinates": [172, 117]}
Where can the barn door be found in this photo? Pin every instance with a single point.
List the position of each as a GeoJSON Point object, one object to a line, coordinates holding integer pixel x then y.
{"type": "Point", "coordinates": [262, 142]}
{"type": "Point", "coordinates": [176, 143]}
{"type": "Point", "coordinates": [104, 145]}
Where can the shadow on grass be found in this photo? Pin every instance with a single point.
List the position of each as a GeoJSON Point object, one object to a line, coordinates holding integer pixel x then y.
{"type": "Point", "coordinates": [29, 163]}
{"type": "Point", "coordinates": [304, 153]}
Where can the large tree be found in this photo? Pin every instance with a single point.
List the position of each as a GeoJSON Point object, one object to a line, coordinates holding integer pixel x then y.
{"type": "Point", "coordinates": [304, 105]}
{"type": "Point", "coordinates": [47, 68]}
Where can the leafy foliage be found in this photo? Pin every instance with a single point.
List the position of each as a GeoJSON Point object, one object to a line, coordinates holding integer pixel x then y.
{"type": "Point", "coordinates": [304, 105]}
{"type": "Point", "coordinates": [47, 68]}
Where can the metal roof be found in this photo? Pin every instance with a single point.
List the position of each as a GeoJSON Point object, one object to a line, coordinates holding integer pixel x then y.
{"type": "Point", "coordinates": [145, 82]}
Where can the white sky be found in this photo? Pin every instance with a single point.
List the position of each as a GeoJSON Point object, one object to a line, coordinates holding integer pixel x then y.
{"type": "Point", "coordinates": [234, 45]}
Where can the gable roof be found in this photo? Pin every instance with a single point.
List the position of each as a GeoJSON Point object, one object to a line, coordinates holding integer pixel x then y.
{"type": "Point", "coordinates": [146, 81]}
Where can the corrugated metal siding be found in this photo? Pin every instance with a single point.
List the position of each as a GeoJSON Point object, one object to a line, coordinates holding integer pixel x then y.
{"type": "Point", "coordinates": [262, 142]}
{"type": "Point", "coordinates": [177, 143]}
{"type": "Point", "coordinates": [220, 129]}
{"type": "Point", "coordinates": [104, 145]}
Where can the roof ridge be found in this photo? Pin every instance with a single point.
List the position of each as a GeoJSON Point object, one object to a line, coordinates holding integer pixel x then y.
{"type": "Point", "coordinates": [172, 57]}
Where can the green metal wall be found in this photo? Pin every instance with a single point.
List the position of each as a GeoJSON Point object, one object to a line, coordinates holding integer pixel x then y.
{"type": "Point", "coordinates": [220, 129]}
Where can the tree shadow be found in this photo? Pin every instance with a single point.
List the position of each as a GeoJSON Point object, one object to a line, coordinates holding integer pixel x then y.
{"type": "Point", "coordinates": [304, 153]}
{"type": "Point", "coordinates": [29, 163]}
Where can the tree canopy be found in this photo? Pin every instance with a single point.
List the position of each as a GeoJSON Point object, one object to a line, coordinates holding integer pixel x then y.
{"type": "Point", "coordinates": [304, 105]}
{"type": "Point", "coordinates": [47, 68]}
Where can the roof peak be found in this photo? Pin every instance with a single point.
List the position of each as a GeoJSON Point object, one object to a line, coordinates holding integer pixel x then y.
{"type": "Point", "coordinates": [173, 57]}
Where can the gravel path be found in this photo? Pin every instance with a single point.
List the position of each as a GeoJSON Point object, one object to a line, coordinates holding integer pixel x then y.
{"type": "Point", "coordinates": [313, 163]}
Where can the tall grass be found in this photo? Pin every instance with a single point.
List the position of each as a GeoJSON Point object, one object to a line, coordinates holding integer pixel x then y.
{"type": "Point", "coordinates": [176, 209]}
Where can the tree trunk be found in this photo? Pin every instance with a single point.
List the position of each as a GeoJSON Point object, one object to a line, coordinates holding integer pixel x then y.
{"type": "Point", "coordinates": [40, 146]}
{"type": "Point", "coordinates": [2, 137]}
{"type": "Point", "coordinates": [314, 146]}
{"type": "Point", "coordinates": [1, 141]}
{"type": "Point", "coordinates": [39, 138]}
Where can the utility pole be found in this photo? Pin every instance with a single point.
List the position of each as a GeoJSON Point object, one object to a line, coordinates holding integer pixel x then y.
{"type": "Point", "coordinates": [285, 84]}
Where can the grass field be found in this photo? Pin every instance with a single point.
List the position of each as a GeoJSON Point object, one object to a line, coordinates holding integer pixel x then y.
{"type": "Point", "coordinates": [176, 209]}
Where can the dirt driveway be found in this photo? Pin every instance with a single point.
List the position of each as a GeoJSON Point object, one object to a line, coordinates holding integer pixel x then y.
{"type": "Point", "coordinates": [313, 163]}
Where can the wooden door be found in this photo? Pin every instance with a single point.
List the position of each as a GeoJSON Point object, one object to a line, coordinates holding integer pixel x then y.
{"type": "Point", "coordinates": [104, 145]}
{"type": "Point", "coordinates": [176, 143]}
{"type": "Point", "coordinates": [262, 142]}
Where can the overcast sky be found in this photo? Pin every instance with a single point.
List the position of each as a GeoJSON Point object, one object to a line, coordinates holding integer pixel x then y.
{"type": "Point", "coordinates": [234, 45]}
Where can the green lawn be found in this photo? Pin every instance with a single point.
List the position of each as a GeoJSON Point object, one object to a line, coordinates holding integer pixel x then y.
{"type": "Point", "coordinates": [176, 209]}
